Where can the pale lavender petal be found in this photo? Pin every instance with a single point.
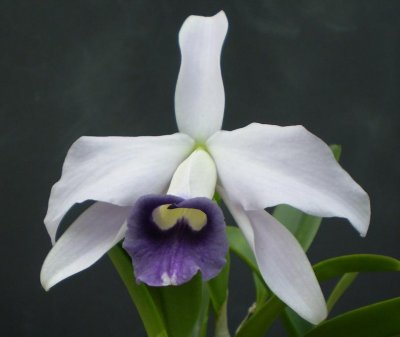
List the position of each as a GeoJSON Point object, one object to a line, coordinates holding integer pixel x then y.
{"type": "Point", "coordinates": [199, 95]}
{"type": "Point", "coordinates": [117, 170]}
{"type": "Point", "coordinates": [281, 260]}
{"type": "Point", "coordinates": [285, 267]}
{"type": "Point", "coordinates": [265, 165]}
{"type": "Point", "coordinates": [95, 231]}
{"type": "Point", "coordinates": [174, 256]}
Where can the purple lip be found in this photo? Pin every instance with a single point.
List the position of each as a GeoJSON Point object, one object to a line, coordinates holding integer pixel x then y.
{"type": "Point", "coordinates": [172, 256]}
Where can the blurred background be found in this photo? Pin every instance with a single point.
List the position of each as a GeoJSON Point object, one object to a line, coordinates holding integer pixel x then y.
{"type": "Point", "coordinates": [109, 67]}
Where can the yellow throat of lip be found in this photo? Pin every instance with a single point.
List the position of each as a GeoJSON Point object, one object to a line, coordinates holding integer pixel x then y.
{"type": "Point", "coordinates": [166, 218]}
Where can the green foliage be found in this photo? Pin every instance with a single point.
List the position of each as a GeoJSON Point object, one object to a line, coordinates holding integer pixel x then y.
{"type": "Point", "coordinates": [221, 322]}
{"type": "Point", "coordinates": [338, 266]}
{"type": "Point", "coordinates": [238, 244]}
{"type": "Point", "coordinates": [262, 291]}
{"type": "Point", "coordinates": [294, 325]}
{"type": "Point", "coordinates": [182, 306]}
{"type": "Point", "coordinates": [218, 290]}
{"type": "Point", "coordinates": [176, 311]}
{"type": "Point", "coordinates": [261, 318]}
{"type": "Point", "coordinates": [148, 309]}
{"type": "Point", "coordinates": [303, 226]}
{"type": "Point", "coordinates": [265, 312]}
{"type": "Point", "coordinates": [345, 281]}
{"type": "Point", "coordinates": [218, 287]}
{"type": "Point", "coordinates": [376, 320]}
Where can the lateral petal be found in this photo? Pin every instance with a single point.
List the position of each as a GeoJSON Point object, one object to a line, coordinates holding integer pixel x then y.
{"type": "Point", "coordinates": [117, 170]}
{"type": "Point", "coordinates": [239, 215]}
{"type": "Point", "coordinates": [281, 260]}
{"type": "Point", "coordinates": [285, 267]}
{"type": "Point", "coordinates": [287, 165]}
{"type": "Point", "coordinates": [199, 95]}
{"type": "Point", "coordinates": [96, 230]}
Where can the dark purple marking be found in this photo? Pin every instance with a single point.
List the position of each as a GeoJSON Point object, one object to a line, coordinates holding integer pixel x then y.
{"type": "Point", "coordinates": [175, 255]}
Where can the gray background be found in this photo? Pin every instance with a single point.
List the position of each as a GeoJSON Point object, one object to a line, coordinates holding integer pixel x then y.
{"type": "Point", "coordinates": [72, 68]}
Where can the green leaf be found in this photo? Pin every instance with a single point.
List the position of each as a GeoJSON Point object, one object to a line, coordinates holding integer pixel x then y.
{"type": "Point", "coordinates": [261, 318]}
{"type": "Point", "coordinates": [303, 226]}
{"type": "Point", "coordinates": [262, 292]}
{"type": "Point", "coordinates": [221, 321]}
{"type": "Point", "coordinates": [145, 304]}
{"type": "Point", "coordinates": [238, 244]}
{"type": "Point", "coordinates": [376, 320]}
{"type": "Point", "coordinates": [345, 281]}
{"type": "Point", "coordinates": [218, 287]}
{"type": "Point", "coordinates": [257, 323]}
{"type": "Point", "coordinates": [336, 150]}
{"type": "Point", "coordinates": [263, 313]}
{"type": "Point", "coordinates": [338, 266]}
{"type": "Point", "coordinates": [294, 325]}
{"type": "Point", "coordinates": [202, 322]}
{"type": "Point", "coordinates": [217, 198]}
{"type": "Point", "coordinates": [182, 307]}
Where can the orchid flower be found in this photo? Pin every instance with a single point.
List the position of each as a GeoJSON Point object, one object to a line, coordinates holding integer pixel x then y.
{"type": "Point", "coordinates": [156, 192]}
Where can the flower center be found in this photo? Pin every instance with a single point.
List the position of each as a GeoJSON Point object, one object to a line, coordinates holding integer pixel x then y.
{"type": "Point", "coordinates": [166, 217]}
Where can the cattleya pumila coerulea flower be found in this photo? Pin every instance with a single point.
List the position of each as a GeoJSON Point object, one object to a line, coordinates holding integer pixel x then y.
{"type": "Point", "coordinates": [156, 192]}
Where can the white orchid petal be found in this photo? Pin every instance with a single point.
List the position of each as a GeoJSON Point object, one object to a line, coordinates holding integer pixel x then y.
{"type": "Point", "coordinates": [195, 177]}
{"type": "Point", "coordinates": [266, 165]}
{"type": "Point", "coordinates": [199, 95]}
{"type": "Point", "coordinates": [96, 230]}
{"type": "Point", "coordinates": [285, 267]}
{"type": "Point", "coordinates": [117, 170]}
{"type": "Point", "coordinates": [281, 260]}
